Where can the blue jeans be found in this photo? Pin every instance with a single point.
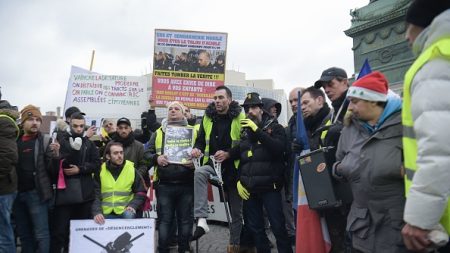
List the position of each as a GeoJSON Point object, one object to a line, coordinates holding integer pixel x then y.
{"type": "Point", "coordinates": [175, 198]}
{"type": "Point", "coordinates": [7, 242]}
{"type": "Point", "coordinates": [31, 216]}
{"type": "Point", "coordinates": [253, 209]}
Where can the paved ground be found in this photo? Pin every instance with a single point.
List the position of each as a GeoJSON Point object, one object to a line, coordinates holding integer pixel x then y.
{"type": "Point", "coordinates": [216, 240]}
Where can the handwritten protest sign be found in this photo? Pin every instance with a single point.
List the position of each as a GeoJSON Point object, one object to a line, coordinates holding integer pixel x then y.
{"type": "Point", "coordinates": [188, 66]}
{"type": "Point", "coordinates": [116, 235]}
{"type": "Point", "coordinates": [178, 142]}
{"type": "Point", "coordinates": [112, 96]}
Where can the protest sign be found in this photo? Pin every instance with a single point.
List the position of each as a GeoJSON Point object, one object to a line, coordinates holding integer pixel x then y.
{"type": "Point", "coordinates": [178, 142]}
{"type": "Point", "coordinates": [111, 96]}
{"type": "Point", "coordinates": [188, 66]}
{"type": "Point", "coordinates": [116, 235]}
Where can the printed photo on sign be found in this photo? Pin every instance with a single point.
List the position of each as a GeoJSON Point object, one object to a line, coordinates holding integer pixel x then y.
{"type": "Point", "coordinates": [116, 235]}
{"type": "Point", "coordinates": [178, 144]}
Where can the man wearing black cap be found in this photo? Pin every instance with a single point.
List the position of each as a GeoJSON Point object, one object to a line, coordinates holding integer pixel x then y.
{"type": "Point", "coordinates": [260, 174]}
{"type": "Point", "coordinates": [425, 119]}
{"type": "Point", "coordinates": [335, 83]}
{"type": "Point", "coordinates": [133, 150]}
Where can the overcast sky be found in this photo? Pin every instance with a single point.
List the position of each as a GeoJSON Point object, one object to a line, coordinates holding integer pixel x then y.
{"type": "Point", "coordinates": [291, 42]}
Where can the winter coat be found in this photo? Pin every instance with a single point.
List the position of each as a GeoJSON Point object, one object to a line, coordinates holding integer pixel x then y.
{"type": "Point", "coordinates": [172, 173]}
{"type": "Point", "coordinates": [372, 163]}
{"type": "Point", "coordinates": [430, 108]}
{"type": "Point", "coordinates": [41, 160]}
{"type": "Point", "coordinates": [220, 138]}
{"type": "Point", "coordinates": [87, 159]}
{"type": "Point", "coordinates": [133, 151]}
{"type": "Point", "coordinates": [8, 148]}
{"type": "Point", "coordinates": [262, 156]}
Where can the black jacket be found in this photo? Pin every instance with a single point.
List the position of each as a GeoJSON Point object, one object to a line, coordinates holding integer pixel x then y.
{"type": "Point", "coordinates": [41, 160]}
{"type": "Point", "coordinates": [262, 156]}
{"type": "Point", "coordinates": [87, 159]}
{"type": "Point", "coordinates": [220, 138]}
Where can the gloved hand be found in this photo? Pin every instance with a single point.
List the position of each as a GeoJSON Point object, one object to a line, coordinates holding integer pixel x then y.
{"type": "Point", "coordinates": [296, 147]}
{"type": "Point", "coordinates": [245, 195]}
{"type": "Point", "coordinates": [76, 144]}
{"type": "Point", "coordinates": [249, 123]}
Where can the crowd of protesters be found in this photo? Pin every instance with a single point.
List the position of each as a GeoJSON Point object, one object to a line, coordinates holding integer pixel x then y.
{"type": "Point", "coordinates": [379, 144]}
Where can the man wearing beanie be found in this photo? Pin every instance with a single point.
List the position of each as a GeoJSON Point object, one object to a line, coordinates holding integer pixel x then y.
{"type": "Point", "coordinates": [174, 183]}
{"type": "Point", "coordinates": [9, 131]}
{"type": "Point", "coordinates": [369, 157]}
{"type": "Point", "coordinates": [425, 119]}
{"type": "Point", "coordinates": [34, 189]}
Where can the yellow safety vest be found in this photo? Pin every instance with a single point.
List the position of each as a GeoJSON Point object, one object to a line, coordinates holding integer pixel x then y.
{"type": "Point", "coordinates": [235, 134]}
{"type": "Point", "coordinates": [159, 144]}
{"type": "Point", "coordinates": [439, 49]}
{"type": "Point", "coordinates": [324, 133]}
{"type": "Point", "coordinates": [116, 194]}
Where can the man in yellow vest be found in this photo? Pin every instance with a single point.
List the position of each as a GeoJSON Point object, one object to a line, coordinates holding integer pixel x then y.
{"type": "Point", "coordinates": [219, 131]}
{"type": "Point", "coordinates": [425, 119]}
{"type": "Point", "coordinates": [119, 191]}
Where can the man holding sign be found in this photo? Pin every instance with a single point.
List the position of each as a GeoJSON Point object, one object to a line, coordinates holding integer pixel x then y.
{"type": "Point", "coordinates": [119, 190]}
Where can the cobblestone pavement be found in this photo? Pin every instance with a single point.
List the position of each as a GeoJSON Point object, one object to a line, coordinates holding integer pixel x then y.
{"type": "Point", "coordinates": [216, 240]}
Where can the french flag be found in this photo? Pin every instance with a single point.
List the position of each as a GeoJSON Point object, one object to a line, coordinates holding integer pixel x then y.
{"type": "Point", "coordinates": [312, 232]}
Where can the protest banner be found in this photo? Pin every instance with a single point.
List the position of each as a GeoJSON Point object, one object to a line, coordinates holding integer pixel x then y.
{"type": "Point", "coordinates": [116, 235]}
{"type": "Point", "coordinates": [187, 66]}
{"type": "Point", "coordinates": [178, 144]}
{"type": "Point", "coordinates": [111, 96]}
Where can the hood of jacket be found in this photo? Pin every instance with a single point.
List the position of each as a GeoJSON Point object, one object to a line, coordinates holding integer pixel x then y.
{"type": "Point", "coordinates": [7, 109]}
{"type": "Point", "coordinates": [268, 103]}
{"type": "Point", "coordinates": [233, 111]}
{"type": "Point", "coordinates": [439, 28]}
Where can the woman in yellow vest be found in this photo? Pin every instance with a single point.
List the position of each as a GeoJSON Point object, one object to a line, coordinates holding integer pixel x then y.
{"type": "Point", "coordinates": [119, 191]}
{"type": "Point", "coordinates": [173, 181]}
{"type": "Point", "coordinates": [425, 119]}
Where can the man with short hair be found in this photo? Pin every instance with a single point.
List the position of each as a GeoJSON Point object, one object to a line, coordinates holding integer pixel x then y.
{"type": "Point", "coordinates": [219, 131]}
{"type": "Point", "coordinates": [75, 160]}
{"type": "Point", "coordinates": [335, 83]}
{"type": "Point", "coordinates": [34, 188]}
{"type": "Point", "coordinates": [133, 149]}
{"type": "Point", "coordinates": [425, 119]}
{"type": "Point", "coordinates": [204, 62]}
{"type": "Point", "coordinates": [316, 114]}
{"type": "Point", "coordinates": [119, 191]}
{"type": "Point", "coordinates": [9, 131]}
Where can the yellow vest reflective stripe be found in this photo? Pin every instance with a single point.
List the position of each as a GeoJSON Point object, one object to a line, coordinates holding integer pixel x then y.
{"type": "Point", "coordinates": [439, 49]}
{"type": "Point", "coordinates": [116, 194]}
{"type": "Point", "coordinates": [13, 121]}
{"type": "Point", "coordinates": [159, 144]}
{"type": "Point", "coordinates": [235, 134]}
{"type": "Point", "coordinates": [324, 133]}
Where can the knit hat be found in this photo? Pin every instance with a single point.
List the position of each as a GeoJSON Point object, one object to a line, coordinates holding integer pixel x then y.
{"type": "Point", "coordinates": [253, 98]}
{"type": "Point", "coordinates": [371, 87]}
{"type": "Point", "coordinates": [28, 112]}
{"type": "Point", "coordinates": [422, 12]}
{"type": "Point", "coordinates": [176, 104]}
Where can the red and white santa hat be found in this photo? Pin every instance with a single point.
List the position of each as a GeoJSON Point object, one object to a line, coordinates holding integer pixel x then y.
{"type": "Point", "coordinates": [371, 87]}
